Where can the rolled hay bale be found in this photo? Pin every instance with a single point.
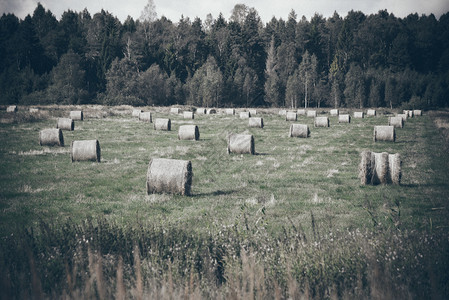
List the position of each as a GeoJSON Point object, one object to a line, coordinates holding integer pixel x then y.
{"type": "Point", "coordinates": [175, 110]}
{"type": "Point", "coordinates": [136, 113]}
{"type": "Point", "coordinates": [51, 137]}
{"type": "Point", "coordinates": [162, 124]}
{"type": "Point", "coordinates": [334, 112]}
{"type": "Point", "coordinates": [170, 176]}
{"type": "Point", "coordinates": [34, 110]}
{"type": "Point", "coordinates": [146, 116]}
{"type": "Point", "coordinates": [86, 150]}
{"type": "Point", "coordinates": [396, 122]}
{"type": "Point", "coordinates": [245, 115]}
{"type": "Point", "coordinates": [371, 113]}
{"type": "Point", "coordinates": [252, 112]}
{"type": "Point", "coordinates": [11, 109]}
{"type": "Point", "coordinates": [403, 116]}
{"type": "Point", "coordinates": [409, 113]}
{"type": "Point", "coordinates": [358, 114]}
{"type": "Point", "coordinates": [201, 111]}
{"type": "Point", "coordinates": [77, 115]}
{"type": "Point", "coordinates": [241, 144]}
{"type": "Point", "coordinates": [417, 112]}
{"type": "Point", "coordinates": [230, 111]}
{"type": "Point", "coordinates": [188, 115]}
{"type": "Point", "coordinates": [311, 113]}
{"type": "Point", "coordinates": [380, 168]}
{"type": "Point", "coordinates": [366, 167]}
{"type": "Point", "coordinates": [299, 130]}
{"type": "Point", "coordinates": [301, 112]}
{"type": "Point", "coordinates": [255, 122]}
{"type": "Point", "coordinates": [188, 132]}
{"type": "Point", "coordinates": [344, 118]}
{"type": "Point", "coordinates": [211, 111]}
{"type": "Point", "coordinates": [65, 124]}
{"type": "Point", "coordinates": [384, 133]}
{"type": "Point", "coordinates": [291, 116]}
{"type": "Point", "coordinates": [395, 165]}
{"type": "Point", "coordinates": [321, 122]}
{"type": "Point", "coordinates": [282, 112]}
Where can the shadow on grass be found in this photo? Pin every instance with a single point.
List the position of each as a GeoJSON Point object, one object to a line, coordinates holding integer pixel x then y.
{"type": "Point", "coordinates": [215, 193]}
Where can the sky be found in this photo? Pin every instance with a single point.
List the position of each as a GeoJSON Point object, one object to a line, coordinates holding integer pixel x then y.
{"type": "Point", "coordinates": [173, 9]}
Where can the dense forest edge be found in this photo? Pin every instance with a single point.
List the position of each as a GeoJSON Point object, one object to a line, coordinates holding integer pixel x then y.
{"type": "Point", "coordinates": [359, 60]}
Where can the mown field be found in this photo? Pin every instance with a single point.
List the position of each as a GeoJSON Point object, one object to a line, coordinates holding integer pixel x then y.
{"type": "Point", "coordinates": [291, 221]}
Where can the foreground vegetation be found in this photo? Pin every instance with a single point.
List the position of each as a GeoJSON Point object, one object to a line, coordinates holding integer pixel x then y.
{"type": "Point", "coordinates": [292, 221]}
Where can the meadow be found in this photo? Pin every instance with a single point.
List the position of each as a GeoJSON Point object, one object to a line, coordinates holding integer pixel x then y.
{"type": "Point", "coordinates": [291, 221]}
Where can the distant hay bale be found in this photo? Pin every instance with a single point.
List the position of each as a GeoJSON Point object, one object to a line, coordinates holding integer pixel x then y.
{"type": "Point", "coordinates": [311, 113]}
{"type": "Point", "coordinates": [51, 137]}
{"type": "Point", "coordinates": [201, 111]}
{"type": "Point", "coordinates": [384, 133]}
{"type": "Point", "coordinates": [334, 112]}
{"type": "Point", "coordinates": [252, 112]}
{"type": "Point", "coordinates": [301, 112]}
{"type": "Point", "coordinates": [321, 122]}
{"type": "Point", "coordinates": [11, 109]}
{"type": "Point", "coordinates": [211, 111]}
{"type": "Point", "coordinates": [409, 113]}
{"type": "Point", "coordinates": [403, 116]}
{"type": "Point", "coordinates": [282, 112]}
{"type": "Point", "coordinates": [136, 112]}
{"type": "Point", "coordinates": [65, 124]}
{"type": "Point", "coordinates": [188, 115]}
{"type": "Point", "coordinates": [146, 116]}
{"type": "Point", "coordinates": [34, 110]}
{"type": "Point", "coordinates": [371, 112]}
{"type": "Point", "coordinates": [396, 122]}
{"type": "Point", "coordinates": [380, 168]}
{"type": "Point", "coordinates": [162, 124]}
{"type": "Point", "coordinates": [344, 118]}
{"type": "Point", "coordinates": [241, 144]}
{"type": "Point", "coordinates": [230, 111]}
{"type": "Point", "coordinates": [86, 150]}
{"type": "Point", "coordinates": [77, 115]}
{"type": "Point", "coordinates": [358, 114]}
{"type": "Point", "coordinates": [170, 176]}
{"type": "Point", "coordinates": [417, 112]}
{"type": "Point", "coordinates": [245, 115]}
{"type": "Point", "coordinates": [188, 132]}
{"type": "Point", "coordinates": [291, 116]}
{"type": "Point", "coordinates": [175, 110]}
{"type": "Point", "coordinates": [299, 130]}
{"type": "Point", "coordinates": [255, 122]}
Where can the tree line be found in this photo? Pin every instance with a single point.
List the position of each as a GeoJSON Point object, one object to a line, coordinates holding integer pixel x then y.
{"type": "Point", "coordinates": [359, 60]}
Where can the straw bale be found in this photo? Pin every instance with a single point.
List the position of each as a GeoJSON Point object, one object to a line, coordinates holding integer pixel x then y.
{"type": "Point", "coordinates": [51, 137]}
{"type": "Point", "coordinates": [334, 112]}
{"type": "Point", "coordinates": [175, 110]}
{"type": "Point", "coordinates": [86, 150]}
{"type": "Point", "coordinates": [291, 116]}
{"type": "Point", "coordinates": [301, 112]}
{"type": "Point", "coordinates": [188, 115]}
{"type": "Point", "coordinates": [201, 111]}
{"type": "Point", "coordinates": [34, 110]}
{"type": "Point", "coordinates": [241, 144]}
{"type": "Point", "coordinates": [395, 165]}
{"type": "Point", "coordinates": [311, 113]}
{"type": "Point", "coordinates": [380, 168]}
{"type": "Point", "coordinates": [417, 112]}
{"type": "Point", "coordinates": [358, 114]}
{"type": "Point", "coordinates": [11, 108]}
{"type": "Point", "coordinates": [162, 124]}
{"type": "Point", "coordinates": [136, 113]}
{"type": "Point", "coordinates": [255, 122]}
{"type": "Point", "coordinates": [77, 115]}
{"type": "Point", "coordinates": [299, 130]}
{"type": "Point", "coordinates": [171, 176]}
{"type": "Point", "coordinates": [252, 112]}
{"type": "Point", "coordinates": [371, 112]}
{"type": "Point", "coordinates": [245, 115]}
{"type": "Point", "coordinates": [188, 132]}
{"type": "Point", "coordinates": [282, 112]}
{"type": "Point", "coordinates": [146, 116]}
{"type": "Point", "coordinates": [384, 133]}
{"type": "Point", "coordinates": [65, 124]}
{"type": "Point", "coordinates": [211, 111]}
{"type": "Point", "coordinates": [321, 122]}
{"type": "Point", "coordinates": [344, 118]}
{"type": "Point", "coordinates": [396, 122]}
{"type": "Point", "coordinates": [230, 111]}
{"type": "Point", "coordinates": [409, 113]}
{"type": "Point", "coordinates": [403, 116]}
{"type": "Point", "coordinates": [366, 167]}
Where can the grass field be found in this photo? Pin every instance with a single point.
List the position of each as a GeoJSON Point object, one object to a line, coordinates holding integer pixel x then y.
{"type": "Point", "coordinates": [290, 221]}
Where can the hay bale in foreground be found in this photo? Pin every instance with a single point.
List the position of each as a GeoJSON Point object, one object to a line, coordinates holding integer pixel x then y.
{"type": "Point", "coordinates": [371, 113]}
{"type": "Point", "coordinates": [358, 114]}
{"type": "Point", "coordinates": [380, 168]}
{"type": "Point", "coordinates": [344, 118]}
{"type": "Point", "coordinates": [311, 113]}
{"type": "Point", "coordinates": [417, 112]}
{"type": "Point", "coordinates": [321, 122]}
{"type": "Point", "coordinates": [334, 112]}
{"type": "Point", "coordinates": [162, 124]}
{"type": "Point", "coordinates": [245, 115]}
{"type": "Point", "coordinates": [255, 122]}
{"type": "Point", "coordinates": [175, 110]}
{"type": "Point", "coordinates": [169, 176]}
{"type": "Point", "coordinates": [65, 124]}
{"type": "Point", "coordinates": [86, 150]}
{"type": "Point", "coordinates": [396, 122]}
{"type": "Point", "coordinates": [291, 116]}
{"type": "Point", "coordinates": [384, 133]}
{"type": "Point", "coordinates": [77, 115]}
{"type": "Point", "coordinates": [188, 132]}
{"type": "Point", "coordinates": [146, 116]}
{"type": "Point", "coordinates": [11, 109]}
{"type": "Point", "coordinates": [301, 112]}
{"type": "Point", "coordinates": [136, 113]}
{"type": "Point", "coordinates": [299, 130]}
{"type": "Point", "coordinates": [241, 144]}
{"type": "Point", "coordinates": [188, 115]}
{"type": "Point", "coordinates": [51, 137]}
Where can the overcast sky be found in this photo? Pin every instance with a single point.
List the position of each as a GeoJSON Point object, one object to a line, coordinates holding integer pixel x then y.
{"type": "Point", "coordinates": [173, 9]}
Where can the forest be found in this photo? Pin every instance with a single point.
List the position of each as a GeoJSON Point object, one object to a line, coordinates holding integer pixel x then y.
{"type": "Point", "coordinates": [359, 60]}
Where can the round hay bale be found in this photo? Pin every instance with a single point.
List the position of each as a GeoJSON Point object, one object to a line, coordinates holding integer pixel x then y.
{"type": "Point", "coordinates": [230, 111]}
{"type": "Point", "coordinates": [358, 114]}
{"type": "Point", "coordinates": [395, 165]}
{"type": "Point", "coordinates": [188, 132]}
{"type": "Point", "coordinates": [11, 109]}
{"type": "Point", "coordinates": [245, 115]}
{"type": "Point", "coordinates": [77, 115]}
{"type": "Point", "coordinates": [371, 113]}
{"type": "Point", "coordinates": [252, 112]}
{"type": "Point", "coordinates": [344, 119]}
{"type": "Point", "coordinates": [403, 116]}
{"type": "Point", "coordinates": [321, 122]}
{"type": "Point", "coordinates": [396, 122]}
{"type": "Point", "coordinates": [188, 115]}
{"type": "Point", "coordinates": [241, 144]}
{"type": "Point", "coordinates": [65, 124]}
{"type": "Point", "coordinates": [255, 122]}
{"type": "Point", "coordinates": [417, 112]}
{"type": "Point", "coordinates": [299, 130]}
{"type": "Point", "coordinates": [146, 117]}
{"type": "Point", "coordinates": [334, 112]}
{"type": "Point", "coordinates": [380, 168]}
{"type": "Point", "coordinates": [175, 110]}
{"type": "Point", "coordinates": [201, 111]}
{"type": "Point", "coordinates": [384, 133]}
{"type": "Point", "coordinates": [51, 137]}
{"type": "Point", "coordinates": [211, 111]}
{"type": "Point", "coordinates": [86, 150]}
{"type": "Point", "coordinates": [311, 113]}
{"type": "Point", "coordinates": [34, 110]}
{"type": "Point", "coordinates": [170, 176]}
{"type": "Point", "coordinates": [366, 167]}
{"type": "Point", "coordinates": [162, 124]}
{"type": "Point", "coordinates": [301, 112]}
{"type": "Point", "coordinates": [136, 113]}
{"type": "Point", "coordinates": [282, 112]}
{"type": "Point", "coordinates": [291, 116]}
{"type": "Point", "coordinates": [409, 113]}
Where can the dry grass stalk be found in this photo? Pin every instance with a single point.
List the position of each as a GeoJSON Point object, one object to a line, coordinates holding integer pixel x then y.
{"type": "Point", "coordinates": [241, 144]}
{"type": "Point", "coordinates": [188, 132]}
{"type": "Point", "coordinates": [380, 168]}
{"type": "Point", "coordinates": [245, 115]}
{"type": "Point", "coordinates": [146, 116]}
{"type": "Point", "coordinates": [403, 116]}
{"type": "Point", "coordinates": [417, 112]}
{"type": "Point", "coordinates": [201, 111]}
{"type": "Point", "coordinates": [77, 115]}
{"type": "Point", "coordinates": [334, 112]}
{"type": "Point", "coordinates": [291, 116]}
{"type": "Point", "coordinates": [162, 124]}
{"type": "Point", "coordinates": [188, 115]}
{"type": "Point", "coordinates": [86, 150]}
{"type": "Point", "coordinates": [371, 112]}
{"type": "Point", "coordinates": [344, 118]}
{"type": "Point", "coordinates": [384, 133]}
{"type": "Point", "coordinates": [175, 110]}
{"type": "Point", "coordinates": [311, 113]}
{"type": "Point", "coordinates": [138, 271]}
{"type": "Point", "coordinates": [120, 292]}
{"type": "Point", "coordinates": [230, 111]}
{"type": "Point", "coordinates": [299, 130]}
{"type": "Point", "coordinates": [358, 114]}
{"type": "Point", "coordinates": [169, 176]}
{"type": "Point", "coordinates": [136, 113]}
{"type": "Point", "coordinates": [301, 112]}
{"type": "Point", "coordinates": [396, 122]}
{"type": "Point", "coordinates": [65, 124]}
{"type": "Point", "coordinates": [11, 109]}
{"type": "Point", "coordinates": [255, 122]}
{"type": "Point", "coordinates": [51, 137]}
{"type": "Point", "coordinates": [321, 122]}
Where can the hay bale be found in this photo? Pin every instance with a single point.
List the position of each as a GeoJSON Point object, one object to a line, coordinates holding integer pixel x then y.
{"type": "Point", "coordinates": [396, 122]}
{"type": "Point", "coordinates": [380, 168]}
{"type": "Point", "coordinates": [301, 112]}
{"type": "Point", "coordinates": [366, 168]}
{"type": "Point", "coordinates": [11, 109]}
{"type": "Point", "coordinates": [136, 113]}
{"type": "Point", "coordinates": [171, 176]}
{"type": "Point", "coordinates": [175, 110]}
{"type": "Point", "coordinates": [403, 116]}
{"type": "Point", "coordinates": [211, 111]}
{"type": "Point", "coordinates": [245, 115]}
{"type": "Point", "coordinates": [311, 113]}
{"type": "Point", "coordinates": [146, 116]}
{"type": "Point", "coordinates": [201, 111]}
{"type": "Point", "coordinates": [241, 144]}
{"type": "Point", "coordinates": [299, 130]}
{"type": "Point", "coordinates": [358, 114]}
{"type": "Point", "coordinates": [344, 118]}
{"type": "Point", "coordinates": [409, 113]}
{"type": "Point", "coordinates": [162, 124]}
{"type": "Point", "coordinates": [282, 112]}
{"type": "Point", "coordinates": [65, 124]}
{"type": "Point", "coordinates": [371, 113]}
{"type": "Point", "coordinates": [230, 111]}
{"type": "Point", "coordinates": [51, 137]}
{"type": "Point", "coordinates": [188, 115]}
{"type": "Point", "coordinates": [255, 122]}
{"type": "Point", "coordinates": [395, 166]}
{"type": "Point", "coordinates": [384, 133]}
{"type": "Point", "coordinates": [252, 112]}
{"type": "Point", "coordinates": [86, 150]}
{"type": "Point", "coordinates": [34, 110]}
{"type": "Point", "coordinates": [77, 115]}
{"type": "Point", "coordinates": [417, 112]}
{"type": "Point", "coordinates": [334, 112]}
{"type": "Point", "coordinates": [291, 116]}
{"type": "Point", "coordinates": [188, 132]}
{"type": "Point", "coordinates": [321, 122]}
